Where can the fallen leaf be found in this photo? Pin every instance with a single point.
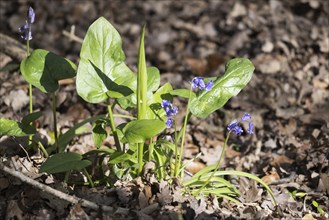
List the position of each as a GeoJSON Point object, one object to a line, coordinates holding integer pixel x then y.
{"type": "Point", "coordinates": [194, 166]}
{"type": "Point", "coordinates": [16, 99]}
{"type": "Point", "coordinates": [278, 160]}
{"type": "Point", "coordinates": [308, 216]}
{"type": "Point", "coordinates": [271, 177]}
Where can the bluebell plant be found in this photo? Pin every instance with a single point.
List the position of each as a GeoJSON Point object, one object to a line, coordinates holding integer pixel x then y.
{"type": "Point", "coordinates": [198, 82]}
{"type": "Point", "coordinates": [26, 34]}
{"type": "Point", "coordinates": [235, 127]}
{"type": "Point", "coordinates": [170, 112]}
{"type": "Point", "coordinates": [26, 29]}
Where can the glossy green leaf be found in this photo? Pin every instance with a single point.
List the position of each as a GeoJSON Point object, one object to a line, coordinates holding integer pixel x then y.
{"type": "Point", "coordinates": [99, 133]}
{"type": "Point", "coordinates": [121, 157]}
{"type": "Point", "coordinates": [237, 74]}
{"type": "Point", "coordinates": [63, 162]}
{"type": "Point", "coordinates": [31, 117]}
{"type": "Point", "coordinates": [43, 69]}
{"type": "Point", "coordinates": [154, 109]}
{"type": "Point", "coordinates": [153, 78]}
{"type": "Point", "coordinates": [103, 150]}
{"type": "Point", "coordinates": [153, 83]}
{"type": "Point", "coordinates": [102, 72]}
{"type": "Point", "coordinates": [139, 131]}
{"type": "Point", "coordinates": [13, 128]}
{"type": "Point", "coordinates": [184, 93]}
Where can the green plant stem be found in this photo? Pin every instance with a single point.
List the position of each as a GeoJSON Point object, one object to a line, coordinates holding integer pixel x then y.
{"type": "Point", "coordinates": [66, 177]}
{"type": "Point", "coordinates": [179, 159]}
{"type": "Point", "coordinates": [88, 177]}
{"type": "Point", "coordinates": [123, 116]}
{"type": "Point", "coordinates": [172, 171]}
{"type": "Point", "coordinates": [113, 128]}
{"type": "Point", "coordinates": [55, 121]}
{"type": "Point", "coordinates": [217, 165]}
{"type": "Point", "coordinates": [42, 148]}
{"type": "Point", "coordinates": [151, 149]}
{"type": "Point", "coordinates": [30, 88]}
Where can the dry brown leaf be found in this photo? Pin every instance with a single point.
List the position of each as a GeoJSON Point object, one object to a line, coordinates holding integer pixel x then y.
{"type": "Point", "coordinates": [142, 200]}
{"type": "Point", "coordinates": [194, 166]}
{"type": "Point", "coordinates": [230, 153]}
{"type": "Point", "coordinates": [16, 99]}
{"type": "Point", "coordinates": [271, 177]}
{"type": "Point", "coordinates": [77, 212]}
{"type": "Point", "coordinates": [278, 160]}
{"type": "Point", "coordinates": [197, 66]}
{"type": "Point", "coordinates": [14, 211]}
{"type": "Point", "coordinates": [323, 185]}
{"type": "Point", "coordinates": [308, 216]}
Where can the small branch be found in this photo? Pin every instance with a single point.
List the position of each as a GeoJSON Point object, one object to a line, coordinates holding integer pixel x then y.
{"type": "Point", "coordinates": [12, 48]}
{"type": "Point", "coordinates": [58, 194]}
{"type": "Point", "coordinates": [71, 35]}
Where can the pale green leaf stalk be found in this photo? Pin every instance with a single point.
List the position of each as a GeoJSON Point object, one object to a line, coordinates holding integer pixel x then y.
{"type": "Point", "coordinates": [30, 87]}
{"type": "Point", "coordinates": [113, 128]}
{"type": "Point", "coordinates": [178, 160]}
{"type": "Point", "coordinates": [55, 121]}
{"type": "Point", "coordinates": [141, 93]}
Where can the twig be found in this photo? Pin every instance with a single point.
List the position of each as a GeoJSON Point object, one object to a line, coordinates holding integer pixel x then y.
{"type": "Point", "coordinates": [12, 47]}
{"type": "Point", "coordinates": [71, 35]}
{"type": "Point", "coordinates": [58, 194]}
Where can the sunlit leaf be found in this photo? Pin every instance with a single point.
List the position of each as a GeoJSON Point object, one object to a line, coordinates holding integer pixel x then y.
{"type": "Point", "coordinates": [102, 72]}
{"type": "Point", "coordinates": [43, 69]}
{"type": "Point", "coordinates": [14, 128]}
{"type": "Point", "coordinates": [139, 131]}
{"type": "Point", "coordinates": [237, 74]}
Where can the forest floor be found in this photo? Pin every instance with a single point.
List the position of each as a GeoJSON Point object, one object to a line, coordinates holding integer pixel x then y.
{"type": "Point", "coordinates": [288, 98]}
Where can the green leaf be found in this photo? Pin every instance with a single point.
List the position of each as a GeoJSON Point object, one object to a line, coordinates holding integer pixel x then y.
{"type": "Point", "coordinates": [120, 157]}
{"type": "Point", "coordinates": [14, 128]}
{"type": "Point", "coordinates": [153, 78]}
{"type": "Point", "coordinates": [99, 133]}
{"type": "Point", "coordinates": [102, 72]}
{"type": "Point", "coordinates": [139, 131]}
{"type": "Point", "coordinates": [162, 93]}
{"type": "Point", "coordinates": [43, 69]}
{"type": "Point", "coordinates": [31, 117]}
{"type": "Point", "coordinates": [104, 150]}
{"type": "Point", "coordinates": [154, 110]}
{"type": "Point", "coordinates": [184, 93]}
{"type": "Point", "coordinates": [238, 73]}
{"type": "Point", "coordinates": [63, 162]}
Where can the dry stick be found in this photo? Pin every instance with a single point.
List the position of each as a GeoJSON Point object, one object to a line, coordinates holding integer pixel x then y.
{"type": "Point", "coordinates": [58, 194]}
{"type": "Point", "coordinates": [71, 35]}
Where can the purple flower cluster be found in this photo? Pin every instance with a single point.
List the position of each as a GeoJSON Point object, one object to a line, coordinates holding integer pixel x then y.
{"type": "Point", "coordinates": [25, 30]}
{"type": "Point", "coordinates": [170, 112]}
{"type": "Point", "coordinates": [236, 128]}
{"type": "Point", "coordinates": [198, 82]}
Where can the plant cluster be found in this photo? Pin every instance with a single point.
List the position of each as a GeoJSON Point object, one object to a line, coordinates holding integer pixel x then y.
{"type": "Point", "coordinates": [103, 77]}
